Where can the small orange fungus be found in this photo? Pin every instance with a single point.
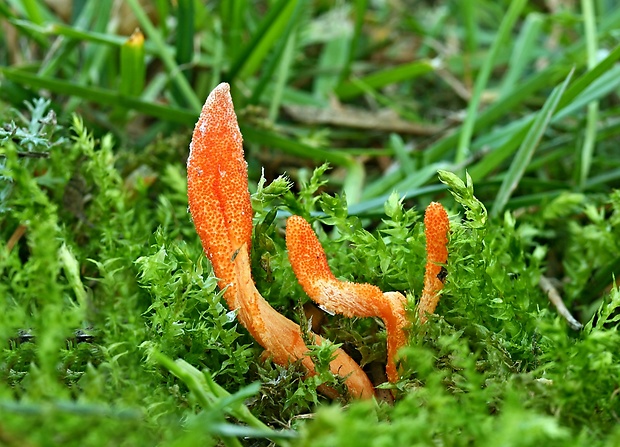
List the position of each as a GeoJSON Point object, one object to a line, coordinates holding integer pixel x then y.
{"type": "Point", "coordinates": [437, 228]}
{"type": "Point", "coordinates": [219, 203]}
{"type": "Point", "coordinates": [350, 299]}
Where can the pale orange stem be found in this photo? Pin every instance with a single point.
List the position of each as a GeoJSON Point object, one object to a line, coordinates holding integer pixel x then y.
{"type": "Point", "coordinates": [350, 299]}
{"type": "Point", "coordinates": [219, 202]}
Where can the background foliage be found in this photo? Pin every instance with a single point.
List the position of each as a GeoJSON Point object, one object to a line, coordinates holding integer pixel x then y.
{"type": "Point", "coordinates": [112, 329]}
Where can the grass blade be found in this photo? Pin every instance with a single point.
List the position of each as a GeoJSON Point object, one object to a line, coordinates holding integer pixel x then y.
{"type": "Point", "coordinates": [587, 150]}
{"type": "Point", "coordinates": [281, 59]}
{"type": "Point", "coordinates": [35, 11]}
{"type": "Point", "coordinates": [483, 77]}
{"type": "Point", "coordinates": [497, 110]}
{"type": "Point", "coordinates": [184, 44]}
{"type": "Point", "coordinates": [355, 171]}
{"type": "Point", "coordinates": [185, 32]}
{"type": "Point", "coordinates": [527, 148]}
{"type": "Point", "coordinates": [360, 7]}
{"type": "Point", "coordinates": [281, 77]}
{"type": "Point", "coordinates": [133, 66]}
{"type": "Point", "coordinates": [264, 39]}
{"type": "Point", "coordinates": [100, 95]}
{"type": "Point", "coordinates": [163, 52]}
{"type": "Point", "coordinates": [523, 52]}
{"type": "Point", "coordinates": [382, 78]}
{"type": "Point", "coordinates": [213, 397]}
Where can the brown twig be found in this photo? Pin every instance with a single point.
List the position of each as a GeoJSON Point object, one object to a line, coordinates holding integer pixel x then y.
{"type": "Point", "coordinates": [15, 237]}
{"type": "Point", "coordinates": [556, 299]}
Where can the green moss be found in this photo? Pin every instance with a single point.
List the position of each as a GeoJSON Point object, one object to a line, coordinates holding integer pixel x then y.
{"type": "Point", "coordinates": [112, 328]}
{"type": "Point", "coordinates": [89, 295]}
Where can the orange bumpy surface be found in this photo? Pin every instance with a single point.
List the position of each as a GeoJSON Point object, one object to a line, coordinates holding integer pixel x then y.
{"type": "Point", "coordinates": [350, 299]}
{"type": "Point", "coordinates": [436, 231]}
{"type": "Point", "coordinates": [219, 202]}
{"type": "Point", "coordinates": [217, 186]}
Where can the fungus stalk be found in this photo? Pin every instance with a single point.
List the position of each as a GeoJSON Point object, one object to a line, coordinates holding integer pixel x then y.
{"type": "Point", "coordinates": [436, 230]}
{"type": "Point", "coordinates": [309, 264]}
{"type": "Point", "coordinates": [219, 203]}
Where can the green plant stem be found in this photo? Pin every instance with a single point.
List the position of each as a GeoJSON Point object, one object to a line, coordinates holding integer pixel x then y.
{"type": "Point", "coordinates": [162, 49]}
{"type": "Point", "coordinates": [211, 395]}
{"type": "Point", "coordinates": [482, 79]}
{"type": "Point", "coordinates": [527, 148]}
{"type": "Point", "coordinates": [587, 151]}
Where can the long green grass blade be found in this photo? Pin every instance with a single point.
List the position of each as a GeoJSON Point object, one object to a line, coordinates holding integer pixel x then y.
{"type": "Point", "coordinates": [467, 12]}
{"type": "Point", "coordinates": [293, 147]}
{"type": "Point", "coordinates": [587, 150]}
{"type": "Point", "coordinates": [58, 29]}
{"type": "Point", "coordinates": [61, 56]}
{"type": "Point", "coordinates": [232, 14]}
{"type": "Point", "coordinates": [493, 113]}
{"type": "Point", "coordinates": [334, 56]}
{"type": "Point", "coordinates": [598, 88]}
{"type": "Point", "coordinates": [513, 13]}
{"type": "Point", "coordinates": [524, 51]}
{"type": "Point", "coordinates": [184, 43]}
{"type": "Point", "coordinates": [35, 11]}
{"type": "Point", "coordinates": [282, 75]}
{"type": "Point", "coordinates": [502, 150]}
{"type": "Point", "coordinates": [498, 109]}
{"type": "Point", "coordinates": [354, 180]}
{"type": "Point", "coordinates": [585, 80]}
{"type": "Point", "coordinates": [590, 86]}
{"type": "Point", "coordinates": [332, 61]}
{"type": "Point", "coordinates": [280, 59]}
{"type": "Point", "coordinates": [185, 32]}
{"type": "Point", "coordinates": [215, 398]}
{"type": "Point", "coordinates": [263, 40]}
{"type": "Point", "coordinates": [101, 96]}
{"type": "Point", "coordinates": [360, 7]}
{"type": "Point", "coordinates": [527, 148]}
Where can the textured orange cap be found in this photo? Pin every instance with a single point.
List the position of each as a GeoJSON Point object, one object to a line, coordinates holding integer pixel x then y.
{"type": "Point", "coordinates": [217, 184]}
{"type": "Point", "coordinates": [437, 226]}
{"type": "Point", "coordinates": [309, 264]}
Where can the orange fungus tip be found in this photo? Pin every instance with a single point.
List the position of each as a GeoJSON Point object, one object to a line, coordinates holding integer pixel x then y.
{"type": "Point", "coordinates": [217, 183]}
{"type": "Point", "coordinates": [306, 254]}
{"type": "Point", "coordinates": [309, 264]}
{"type": "Point", "coordinates": [437, 227]}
